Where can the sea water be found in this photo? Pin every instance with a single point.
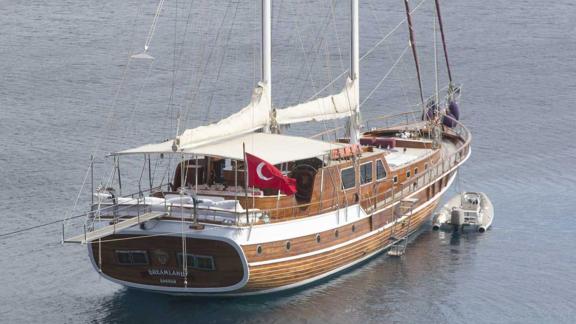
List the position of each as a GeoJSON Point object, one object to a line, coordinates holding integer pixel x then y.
{"type": "Point", "coordinates": [67, 91]}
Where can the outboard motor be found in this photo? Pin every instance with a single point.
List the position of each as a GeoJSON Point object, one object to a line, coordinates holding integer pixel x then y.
{"type": "Point", "coordinates": [457, 217]}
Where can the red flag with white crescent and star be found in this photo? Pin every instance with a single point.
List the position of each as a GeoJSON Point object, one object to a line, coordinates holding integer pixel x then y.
{"type": "Point", "coordinates": [264, 175]}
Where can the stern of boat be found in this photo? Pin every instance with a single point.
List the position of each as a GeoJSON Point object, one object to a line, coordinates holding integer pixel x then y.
{"type": "Point", "coordinates": [156, 263]}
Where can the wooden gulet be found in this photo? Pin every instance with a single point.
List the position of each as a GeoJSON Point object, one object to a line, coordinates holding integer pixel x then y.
{"type": "Point", "coordinates": [209, 233]}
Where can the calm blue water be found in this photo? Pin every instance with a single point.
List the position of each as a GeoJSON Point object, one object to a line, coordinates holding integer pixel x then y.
{"type": "Point", "coordinates": [61, 66]}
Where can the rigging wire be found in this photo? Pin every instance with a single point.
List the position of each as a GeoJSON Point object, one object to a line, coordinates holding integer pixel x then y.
{"type": "Point", "coordinates": [404, 70]}
{"type": "Point", "coordinates": [385, 76]}
{"type": "Point", "coordinates": [369, 52]}
{"type": "Point", "coordinates": [194, 92]}
{"type": "Point", "coordinates": [154, 24]}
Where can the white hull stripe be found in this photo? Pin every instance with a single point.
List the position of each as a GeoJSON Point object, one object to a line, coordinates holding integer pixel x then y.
{"type": "Point", "coordinates": [359, 238]}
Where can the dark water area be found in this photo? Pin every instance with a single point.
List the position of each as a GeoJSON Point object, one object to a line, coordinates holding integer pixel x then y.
{"type": "Point", "coordinates": [62, 64]}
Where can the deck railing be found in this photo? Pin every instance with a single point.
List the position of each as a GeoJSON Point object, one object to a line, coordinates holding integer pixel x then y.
{"type": "Point", "coordinates": [113, 212]}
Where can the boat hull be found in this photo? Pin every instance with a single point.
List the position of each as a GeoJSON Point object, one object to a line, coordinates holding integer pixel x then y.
{"type": "Point", "coordinates": [242, 272]}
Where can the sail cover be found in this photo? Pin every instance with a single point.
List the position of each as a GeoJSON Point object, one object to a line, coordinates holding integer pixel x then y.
{"type": "Point", "coordinates": [335, 106]}
{"type": "Point", "coordinates": [252, 117]}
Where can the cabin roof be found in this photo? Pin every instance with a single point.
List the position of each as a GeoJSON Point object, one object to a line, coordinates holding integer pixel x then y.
{"type": "Point", "coordinates": [273, 148]}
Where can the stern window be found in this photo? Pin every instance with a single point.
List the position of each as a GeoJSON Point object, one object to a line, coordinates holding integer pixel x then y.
{"type": "Point", "coordinates": [126, 257]}
{"type": "Point", "coordinates": [200, 262]}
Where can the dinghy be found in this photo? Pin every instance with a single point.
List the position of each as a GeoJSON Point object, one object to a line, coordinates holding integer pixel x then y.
{"type": "Point", "coordinates": [467, 211]}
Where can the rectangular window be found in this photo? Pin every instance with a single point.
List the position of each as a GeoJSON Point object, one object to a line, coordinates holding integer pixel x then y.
{"type": "Point", "coordinates": [408, 174]}
{"type": "Point", "coordinates": [366, 173]}
{"type": "Point", "coordinates": [204, 262]}
{"type": "Point", "coordinates": [200, 262]}
{"type": "Point", "coordinates": [127, 257]}
{"type": "Point", "coordinates": [395, 179]}
{"type": "Point", "coordinates": [348, 178]}
{"type": "Point", "coordinates": [380, 170]}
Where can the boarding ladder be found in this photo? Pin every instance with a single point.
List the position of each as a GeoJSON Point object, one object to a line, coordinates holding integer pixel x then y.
{"type": "Point", "coordinates": [400, 236]}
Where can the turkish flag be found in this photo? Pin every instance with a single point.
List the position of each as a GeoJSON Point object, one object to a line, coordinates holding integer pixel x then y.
{"type": "Point", "coordinates": [264, 175]}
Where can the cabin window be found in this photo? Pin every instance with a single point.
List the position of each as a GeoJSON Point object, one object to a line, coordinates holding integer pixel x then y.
{"type": "Point", "coordinates": [288, 245]}
{"type": "Point", "coordinates": [125, 257]}
{"type": "Point", "coordinates": [425, 166]}
{"type": "Point", "coordinates": [336, 234]}
{"type": "Point", "coordinates": [415, 171]}
{"type": "Point", "coordinates": [204, 262]}
{"type": "Point", "coordinates": [407, 173]}
{"type": "Point", "coordinates": [259, 249]}
{"type": "Point", "coordinates": [366, 173]}
{"type": "Point", "coordinates": [348, 178]}
{"type": "Point", "coordinates": [380, 170]}
{"type": "Point", "coordinates": [395, 179]}
{"type": "Point", "coordinates": [200, 262]}
{"type": "Point", "coordinates": [353, 228]}
{"type": "Point", "coordinates": [318, 239]}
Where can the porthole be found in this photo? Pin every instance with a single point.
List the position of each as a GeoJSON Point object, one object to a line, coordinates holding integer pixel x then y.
{"type": "Point", "coordinates": [288, 245]}
{"type": "Point", "coordinates": [318, 239]}
{"type": "Point", "coordinates": [353, 228]}
{"type": "Point", "coordinates": [259, 249]}
{"type": "Point", "coordinates": [336, 233]}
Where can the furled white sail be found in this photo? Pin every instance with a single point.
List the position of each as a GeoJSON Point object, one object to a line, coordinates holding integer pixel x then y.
{"type": "Point", "coordinates": [335, 106]}
{"type": "Point", "coordinates": [252, 117]}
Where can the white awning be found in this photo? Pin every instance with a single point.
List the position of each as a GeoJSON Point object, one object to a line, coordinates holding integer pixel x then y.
{"type": "Point", "coordinates": [273, 148]}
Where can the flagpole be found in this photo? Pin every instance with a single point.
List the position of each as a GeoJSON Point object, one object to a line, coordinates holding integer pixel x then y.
{"type": "Point", "coordinates": [245, 182]}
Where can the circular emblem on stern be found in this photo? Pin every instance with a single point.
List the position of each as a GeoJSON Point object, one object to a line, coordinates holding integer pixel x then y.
{"type": "Point", "coordinates": [161, 256]}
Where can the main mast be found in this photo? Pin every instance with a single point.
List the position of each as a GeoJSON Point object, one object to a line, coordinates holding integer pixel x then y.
{"type": "Point", "coordinates": [355, 73]}
{"type": "Point", "coordinates": [266, 58]}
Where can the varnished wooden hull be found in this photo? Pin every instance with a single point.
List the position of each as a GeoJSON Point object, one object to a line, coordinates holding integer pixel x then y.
{"type": "Point", "coordinates": [293, 273]}
{"type": "Point", "coordinates": [242, 271]}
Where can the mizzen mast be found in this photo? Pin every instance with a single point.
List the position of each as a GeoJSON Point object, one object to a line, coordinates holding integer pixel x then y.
{"type": "Point", "coordinates": [414, 52]}
{"type": "Point", "coordinates": [439, 14]}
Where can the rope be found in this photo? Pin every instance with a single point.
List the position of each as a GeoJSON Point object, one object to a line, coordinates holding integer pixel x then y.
{"type": "Point", "coordinates": [26, 229]}
{"type": "Point", "coordinates": [79, 192]}
{"type": "Point", "coordinates": [154, 24]}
